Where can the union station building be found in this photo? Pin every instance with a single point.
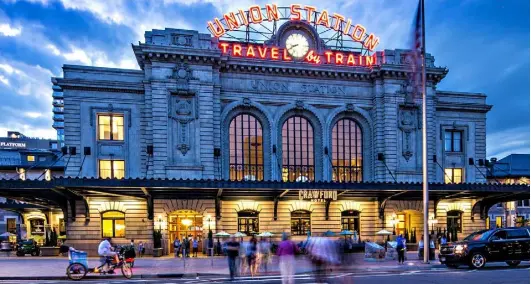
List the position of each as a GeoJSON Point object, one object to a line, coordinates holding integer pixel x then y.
{"type": "Point", "coordinates": [209, 135]}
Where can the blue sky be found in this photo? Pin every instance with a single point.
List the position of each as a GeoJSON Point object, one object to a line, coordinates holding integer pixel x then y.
{"type": "Point", "coordinates": [484, 43]}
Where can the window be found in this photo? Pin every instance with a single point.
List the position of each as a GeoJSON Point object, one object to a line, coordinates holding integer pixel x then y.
{"type": "Point", "coordinates": [112, 169]}
{"type": "Point", "coordinates": [300, 222]}
{"type": "Point", "coordinates": [453, 220]}
{"type": "Point", "coordinates": [518, 234]}
{"type": "Point", "coordinates": [522, 203]}
{"type": "Point", "coordinates": [42, 159]}
{"type": "Point", "coordinates": [347, 151]}
{"type": "Point", "coordinates": [453, 175]}
{"type": "Point", "coordinates": [350, 220]}
{"type": "Point", "coordinates": [519, 221]}
{"type": "Point", "coordinates": [54, 145]}
{"type": "Point", "coordinates": [248, 222]}
{"type": "Point", "coordinates": [37, 226]}
{"type": "Point", "coordinates": [500, 235]}
{"type": "Point", "coordinates": [111, 127]}
{"type": "Point", "coordinates": [113, 224]}
{"type": "Point", "coordinates": [487, 223]}
{"type": "Point", "coordinates": [499, 221]}
{"type": "Point", "coordinates": [246, 148]}
{"type": "Point", "coordinates": [453, 141]}
{"type": "Point", "coordinates": [11, 225]}
{"type": "Point", "coordinates": [297, 150]}
{"type": "Point", "coordinates": [30, 158]}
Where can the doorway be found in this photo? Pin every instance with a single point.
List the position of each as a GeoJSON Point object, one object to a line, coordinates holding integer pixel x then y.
{"type": "Point", "coordinates": [409, 221]}
{"type": "Point", "coordinates": [186, 223]}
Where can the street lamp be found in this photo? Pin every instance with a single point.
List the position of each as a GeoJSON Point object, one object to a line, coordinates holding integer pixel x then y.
{"type": "Point", "coordinates": [432, 221]}
{"type": "Point", "coordinates": [394, 221]}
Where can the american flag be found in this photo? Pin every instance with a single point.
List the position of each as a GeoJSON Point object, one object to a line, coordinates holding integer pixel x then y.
{"type": "Point", "coordinates": [415, 57]}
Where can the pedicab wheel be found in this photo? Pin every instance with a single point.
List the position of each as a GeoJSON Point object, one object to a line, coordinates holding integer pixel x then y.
{"type": "Point", "coordinates": [76, 271]}
{"type": "Point", "coordinates": [132, 264]}
{"type": "Point", "coordinates": [127, 271]}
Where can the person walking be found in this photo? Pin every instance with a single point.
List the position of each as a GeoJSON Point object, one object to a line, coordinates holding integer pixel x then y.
{"type": "Point", "coordinates": [400, 248]}
{"type": "Point", "coordinates": [286, 252]}
{"type": "Point", "coordinates": [195, 246]}
{"type": "Point", "coordinates": [251, 255]}
{"type": "Point", "coordinates": [265, 254]}
{"type": "Point", "coordinates": [233, 251]}
{"type": "Point", "coordinates": [176, 247]}
{"type": "Point", "coordinates": [140, 249]}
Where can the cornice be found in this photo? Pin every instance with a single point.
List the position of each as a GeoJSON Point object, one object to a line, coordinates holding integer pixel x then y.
{"type": "Point", "coordinates": [481, 108]}
{"type": "Point", "coordinates": [100, 85]}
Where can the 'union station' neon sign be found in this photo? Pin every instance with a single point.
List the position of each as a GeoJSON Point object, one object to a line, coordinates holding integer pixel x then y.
{"type": "Point", "coordinates": [255, 15]}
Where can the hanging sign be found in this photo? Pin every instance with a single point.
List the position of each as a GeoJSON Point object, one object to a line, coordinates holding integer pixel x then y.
{"type": "Point", "coordinates": [254, 15]}
{"type": "Point", "coordinates": [317, 195]}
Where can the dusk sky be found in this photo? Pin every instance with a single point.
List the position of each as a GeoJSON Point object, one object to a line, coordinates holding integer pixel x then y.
{"type": "Point", "coordinates": [484, 43]}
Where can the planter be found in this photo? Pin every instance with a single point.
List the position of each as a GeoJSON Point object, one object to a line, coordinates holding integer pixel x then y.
{"type": "Point", "coordinates": [49, 251]}
{"type": "Point", "coordinates": [157, 252]}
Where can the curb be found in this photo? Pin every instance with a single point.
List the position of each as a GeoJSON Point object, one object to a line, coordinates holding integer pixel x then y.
{"type": "Point", "coordinates": [193, 275]}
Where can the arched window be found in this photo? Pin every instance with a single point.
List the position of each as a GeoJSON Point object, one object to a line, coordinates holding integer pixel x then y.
{"type": "Point", "coordinates": [297, 150]}
{"type": "Point", "coordinates": [300, 222]}
{"type": "Point", "coordinates": [248, 222]}
{"type": "Point", "coordinates": [113, 224]}
{"type": "Point", "coordinates": [453, 220]}
{"type": "Point", "coordinates": [350, 220]}
{"type": "Point", "coordinates": [246, 148]}
{"type": "Point", "coordinates": [347, 151]}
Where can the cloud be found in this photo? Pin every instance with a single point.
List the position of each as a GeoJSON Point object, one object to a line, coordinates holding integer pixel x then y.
{"type": "Point", "coordinates": [499, 146]}
{"type": "Point", "coordinates": [8, 30]}
{"type": "Point", "coordinates": [4, 80]}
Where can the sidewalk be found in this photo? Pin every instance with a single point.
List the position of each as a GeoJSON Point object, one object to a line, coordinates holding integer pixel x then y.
{"type": "Point", "coordinates": [52, 268]}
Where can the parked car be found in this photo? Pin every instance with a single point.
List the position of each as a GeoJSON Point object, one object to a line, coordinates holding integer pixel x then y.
{"type": "Point", "coordinates": [510, 245]}
{"type": "Point", "coordinates": [28, 247]}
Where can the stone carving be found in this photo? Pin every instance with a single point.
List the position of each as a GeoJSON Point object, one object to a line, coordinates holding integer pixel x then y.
{"type": "Point", "coordinates": [183, 112]}
{"type": "Point", "coordinates": [299, 104]}
{"type": "Point", "coordinates": [407, 123]}
{"type": "Point", "coordinates": [183, 148]}
{"type": "Point", "coordinates": [182, 72]}
{"type": "Point", "coordinates": [181, 40]}
{"type": "Point", "coordinates": [246, 102]}
{"type": "Point", "coordinates": [350, 107]}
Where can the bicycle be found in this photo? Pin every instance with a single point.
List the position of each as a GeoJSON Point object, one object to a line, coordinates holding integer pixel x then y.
{"type": "Point", "coordinates": [78, 267]}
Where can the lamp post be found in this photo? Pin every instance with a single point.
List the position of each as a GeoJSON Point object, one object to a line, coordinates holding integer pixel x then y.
{"type": "Point", "coordinates": [394, 221]}
{"type": "Point", "coordinates": [432, 221]}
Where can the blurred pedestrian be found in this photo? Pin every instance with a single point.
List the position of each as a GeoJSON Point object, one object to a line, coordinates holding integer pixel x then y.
{"type": "Point", "coordinates": [177, 246]}
{"type": "Point", "coordinates": [251, 255]}
{"type": "Point", "coordinates": [141, 249]}
{"type": "Point", "coordinates": [286, 252]}
{"type": "Point", "coordinates": [233, 249]}
{"type": "Point", "coordinates": [400, 249]}
{"type": "Point", "coordinates": [195, 247]}
{"type": "Point", "coordinates": [186, 247]}
{"type": "Point", "coordinates": [265, 253]}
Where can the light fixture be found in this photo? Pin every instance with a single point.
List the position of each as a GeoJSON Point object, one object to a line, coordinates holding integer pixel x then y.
{"type": "Point", "coordinates": [186, 222]}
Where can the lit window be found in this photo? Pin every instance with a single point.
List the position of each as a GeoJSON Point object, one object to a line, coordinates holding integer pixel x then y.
{"type": "Point", "coordinates": [453, 175]}
{"type": "Point", "coordinates": [31, 158]}
{"type": "Point", "coordinates": [111, 127]}
{"type": "Point", "coordinates": [112, 169]}
{"type": "Point", "coordinates": [11, 225]}
{"type": "Point", "coordinates": [350, 220]}
{"type": "Point", "coordinates": [300, 222]}
{"type": "Point", "coordinates": [248, 222]}
{"type": "Point", "coordinates": [246, 148]}
{"type": "Point", "coordinates": [499, 222]}
{"type": "Point", "coordinates": [487, 223]}
{"type": "Point", "coordinates": [48, 174]}
{"type": "Point", "coordinates": [297, 150]}
{"type": "Point", "coordinates": [453, 141]}
{"type": "Point", "coordinates": [347, 151]}
{"type": "Point", "coordinates": [113, 224]}
{"type": "Point", "coordinates": [453, 221]}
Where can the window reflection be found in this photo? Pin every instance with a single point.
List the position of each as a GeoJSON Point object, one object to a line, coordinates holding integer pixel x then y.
{"type": "Point", "coordinates": [347, 151]}
{"type": "Point", "coordinates": [246, 148]}
{"type": "Point", "coordinates": [297, 150]}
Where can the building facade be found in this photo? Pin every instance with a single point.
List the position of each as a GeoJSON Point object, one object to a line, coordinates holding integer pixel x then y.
{"type": "Point", "coordinates": [292, 135]}
{"type": "Point", "coordinates": [23, 157]}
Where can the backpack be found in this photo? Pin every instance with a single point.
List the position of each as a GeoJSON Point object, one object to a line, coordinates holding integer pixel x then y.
{"type": "Point", "coordinates": [175, 244]}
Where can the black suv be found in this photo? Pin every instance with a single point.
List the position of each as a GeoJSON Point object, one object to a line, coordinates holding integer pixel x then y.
{"type": "Point", "coordinates": [504, 244]}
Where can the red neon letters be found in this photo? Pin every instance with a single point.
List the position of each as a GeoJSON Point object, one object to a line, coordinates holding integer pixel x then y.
{"type": "Point", "coordinates": [279, 54]}
{"type": "Point", "coordinates": [256, 15]}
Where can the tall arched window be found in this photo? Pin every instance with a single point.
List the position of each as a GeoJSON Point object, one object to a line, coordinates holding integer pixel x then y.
{"type": "Point", "coordinates": [350, 220]}
{"type": "Point", "coordinates": [300, 222]}
{"type": "Point", "coordinates": [246, 148]}
{"type": "Point", "coordinates": [347, 151]}
{"type": "Point", "coordinates": [248, 222]}
{"type": "Point", "coordinates": [113, 224]}
{"type": "Point", "coordinates": [297, 150]}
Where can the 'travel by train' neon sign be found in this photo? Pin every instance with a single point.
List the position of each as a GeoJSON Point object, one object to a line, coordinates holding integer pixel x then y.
{"type": "Point", "coordinates": [235, 49]}
{"type": "Point", "coordinates": [254, 15]}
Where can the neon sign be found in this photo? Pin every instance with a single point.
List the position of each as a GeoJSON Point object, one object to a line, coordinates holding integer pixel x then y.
{"type": "Point", "coordinates": [309, 14]}
{"type": "Point", "coordinates": [235, 49]}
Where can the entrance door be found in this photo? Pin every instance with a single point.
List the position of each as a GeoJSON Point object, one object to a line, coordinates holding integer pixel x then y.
{"type": "Point", "coordinates": [186, 223]}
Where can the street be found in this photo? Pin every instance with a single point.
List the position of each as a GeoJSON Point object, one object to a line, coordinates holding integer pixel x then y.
{"type": "Point", "coordinates": [490, 275]}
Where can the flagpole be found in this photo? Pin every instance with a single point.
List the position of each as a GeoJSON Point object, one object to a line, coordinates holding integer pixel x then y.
{"type": "Point", "coordinates": [425, 194]}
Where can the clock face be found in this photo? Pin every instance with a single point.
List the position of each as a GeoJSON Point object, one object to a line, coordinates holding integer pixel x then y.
{"type": "Point", "coordinates": [297, 45]}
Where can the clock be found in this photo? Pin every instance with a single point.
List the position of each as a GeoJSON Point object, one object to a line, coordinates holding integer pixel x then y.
{"type": "Point", "coordinates": [297, 45]}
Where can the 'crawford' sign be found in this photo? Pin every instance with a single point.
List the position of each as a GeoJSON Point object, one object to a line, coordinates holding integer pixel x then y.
{"type": "Point", "coordinates": [318, 195]}
{"type": "Point", "coordinates": [309, 14]}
